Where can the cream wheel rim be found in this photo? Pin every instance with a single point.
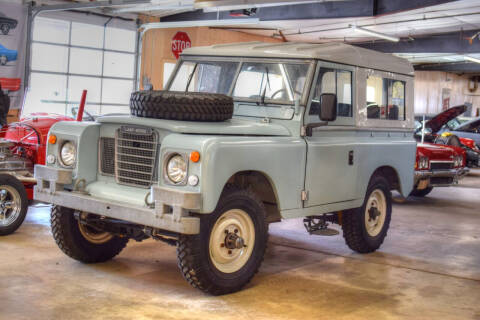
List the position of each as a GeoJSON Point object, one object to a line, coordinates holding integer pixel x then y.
{"type": "Point", "coordinates": [232, 240]}
{"type": "Point", "coordinates": [375, 212]}
{"type": "Point", "coordinates": [92, 235]}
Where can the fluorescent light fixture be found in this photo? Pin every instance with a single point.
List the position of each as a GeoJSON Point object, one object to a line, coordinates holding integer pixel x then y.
{"type": "Point", "coordinates": [374, 34]}
{"type": "Point", "coordinates": [476, 60]}
{"type": "Point", "coordinates": [199, 23]}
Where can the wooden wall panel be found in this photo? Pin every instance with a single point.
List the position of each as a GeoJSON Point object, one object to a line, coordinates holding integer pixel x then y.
{"type": "Point", "coordinates": [429, 86]}
{"type": "Point", "coordinates": [157, 47]}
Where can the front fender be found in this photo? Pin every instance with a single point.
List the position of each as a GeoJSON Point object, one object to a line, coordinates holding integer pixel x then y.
{"type": "Point", "coordinates": [280, 159]}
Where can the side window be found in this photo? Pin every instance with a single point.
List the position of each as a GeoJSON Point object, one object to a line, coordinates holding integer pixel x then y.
{"type": "Point", "coordinates": [334, 81]}
{"type": "Point", "coordinates": [385, 98]}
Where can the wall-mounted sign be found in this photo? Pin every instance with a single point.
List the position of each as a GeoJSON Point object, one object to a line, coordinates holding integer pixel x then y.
{"type": "Point", "coordinates": [12, 41]}
{"type": "Point", "coordinates": [180, 41]}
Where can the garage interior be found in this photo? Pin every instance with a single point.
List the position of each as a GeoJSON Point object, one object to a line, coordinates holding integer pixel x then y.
{"type": "Point", "coordinates": [427, 268]}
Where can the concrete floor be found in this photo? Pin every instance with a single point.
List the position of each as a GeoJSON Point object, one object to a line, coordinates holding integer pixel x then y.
{"type": "Point", "coordinates": [428, 268]}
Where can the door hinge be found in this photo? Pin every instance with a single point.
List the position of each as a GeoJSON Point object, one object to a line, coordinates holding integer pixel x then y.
{"type": "Point", "coordinates": [304, 195]}
{"type": "Point", "coordinates": [303, 131]}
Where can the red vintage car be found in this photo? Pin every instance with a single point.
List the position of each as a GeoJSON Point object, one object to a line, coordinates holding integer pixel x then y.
{"type": "Point", "coordinates": [437, 166]}
{"type": "Point", "coordinates": [22, 145]}
{"type": "Point", "coordinates": [436, 131]}
{"type": "Point", "coordinates": [10, 84]}
{"type": "Point", "coordinates": [438, 163]}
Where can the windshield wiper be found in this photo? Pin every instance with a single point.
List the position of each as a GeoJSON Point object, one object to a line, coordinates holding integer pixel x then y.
{"type": "Point", "coordinates": [262, 100]}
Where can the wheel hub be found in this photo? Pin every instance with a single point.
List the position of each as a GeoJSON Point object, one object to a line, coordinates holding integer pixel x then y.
{"type": "Point", "coordinates": [375, 212]}
{"type": "Point", "coordinates": [9, 205]}
{"type": "Point", "coordinates": [232, 241]}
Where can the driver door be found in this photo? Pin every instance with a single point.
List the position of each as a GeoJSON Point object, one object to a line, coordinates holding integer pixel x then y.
{"type": "Point", "coordinates": [331, 167]}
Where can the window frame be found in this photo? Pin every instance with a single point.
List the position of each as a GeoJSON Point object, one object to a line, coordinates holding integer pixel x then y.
{"type": "Point", "coordinates": [268, 103]}
{"type": "Point", "coordinates": [67, 103]}
{"type": "Point", "coordinates": [340, 121]}
{"type": "Point", "coordinates": [363, 121]}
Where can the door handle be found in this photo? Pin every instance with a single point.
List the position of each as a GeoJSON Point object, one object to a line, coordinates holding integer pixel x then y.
{"type": "Point", "coordinates": [350, 158]}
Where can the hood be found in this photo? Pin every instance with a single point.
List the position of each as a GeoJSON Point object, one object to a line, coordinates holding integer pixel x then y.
{"type": "Point", "coordinates": [435, 151]}
{"type": "Point", "coordinates": [230, 127]}
{"type": "Point", "coordinates": [437, 122]}
{"type": "Point", "coordinates": [40, 122]}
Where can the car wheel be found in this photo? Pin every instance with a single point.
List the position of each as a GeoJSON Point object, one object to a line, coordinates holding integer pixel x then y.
{"type": "Point", "coordinates": [229, 249]}
{"type": "Point", "coordinates": [13, 204]}
{"type": "Point", "coordinates": [3, 60]}
{"type": "Point", "coordinates": [82, 242]}
{"type": "Point", "coordinates": [5, 28]}
{"type": "Point", "coordinates": [421, 193]}
{"type": "Point", "coordinates": [365, 228]}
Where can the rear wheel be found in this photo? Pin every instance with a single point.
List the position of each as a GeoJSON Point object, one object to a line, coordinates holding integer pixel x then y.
{"type": "Point", "coordinates": [365, 228]}
{"type": "Point", "coordinates": [421, 193]}
{"type": "Point", "coordinates": [82, 242]}
{"type": "Point", "coordinates": [230, 247]}
{"type": "Point", "coordinates": [13, 204]}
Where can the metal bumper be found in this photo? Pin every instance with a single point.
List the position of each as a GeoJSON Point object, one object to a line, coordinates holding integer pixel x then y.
{"type": "Point", "coordinates": [169, 210]}
{"type": "Point", "coordinates": [456, 174]}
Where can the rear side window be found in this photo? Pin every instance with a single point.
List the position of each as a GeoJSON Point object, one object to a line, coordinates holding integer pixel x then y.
{"type": "Point", "coordinates": [385, 98]}
{"type": "Point", "coordinates": [334, 81]}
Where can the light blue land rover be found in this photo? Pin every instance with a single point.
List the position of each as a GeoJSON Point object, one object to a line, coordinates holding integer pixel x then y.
{"type": "Point", "coordinates": [320, 131]}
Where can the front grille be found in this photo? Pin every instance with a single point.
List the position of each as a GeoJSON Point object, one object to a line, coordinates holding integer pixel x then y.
{"type": "Point", "coordinates": [441, 165]}
{"type": "Point", "coordinates": [135, 157]}
{"type": "Point", "coordinates": [107, 156]}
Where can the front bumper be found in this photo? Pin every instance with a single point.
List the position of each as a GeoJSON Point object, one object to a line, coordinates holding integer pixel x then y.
{"type": "Point", "coordinates": [433, 178]}
{"type": "Point", "coordinates": [168, 211]}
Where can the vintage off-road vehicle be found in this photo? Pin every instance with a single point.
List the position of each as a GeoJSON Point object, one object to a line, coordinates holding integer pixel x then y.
{"type": "Point", "coordinates": [322, 132]}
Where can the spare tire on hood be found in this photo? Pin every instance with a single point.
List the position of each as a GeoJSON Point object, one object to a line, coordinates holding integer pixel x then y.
{"type": "Point", "coordinates": [187, 106]}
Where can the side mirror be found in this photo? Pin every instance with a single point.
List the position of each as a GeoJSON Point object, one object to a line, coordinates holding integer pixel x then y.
{"type": "Point", "coordinates": [328, 107]}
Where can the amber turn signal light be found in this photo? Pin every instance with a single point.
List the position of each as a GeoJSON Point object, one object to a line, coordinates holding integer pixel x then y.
{"type": "Point", "coordinates": [195, 156]}
{"type": "Point", "coordinates": [52, 139]}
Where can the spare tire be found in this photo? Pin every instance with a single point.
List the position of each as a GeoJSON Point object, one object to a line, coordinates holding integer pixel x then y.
{"type": "Point", "coordinates": [174, 105]}
{"type": "Point", "coordinates": [451, 140]}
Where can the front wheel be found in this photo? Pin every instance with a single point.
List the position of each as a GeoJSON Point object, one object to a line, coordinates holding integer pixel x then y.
{"type": "Point", "coordinates": [230, 247]}
{"type": "Point", "coordinates": [365, 228]}
{"type": "Point", "coordinates": [82, 242]}
{"type": "Point", "coordinates": [13, 204]}
{"type": "Point", "coordinates": [3, 60]}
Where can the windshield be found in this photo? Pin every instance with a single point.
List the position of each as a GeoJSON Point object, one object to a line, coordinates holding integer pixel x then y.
{"type": "Point", "coordinates": [213, 77]}
{"type": "Point", "coordinates": [259, 82]}
{"type": "Point", "coordinates": [277, 82]}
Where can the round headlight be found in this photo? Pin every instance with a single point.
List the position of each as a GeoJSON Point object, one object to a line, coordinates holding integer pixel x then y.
{"type": "Point", "coordinates": [68, 154]}
{"type": "Point", "coordinates": [176, 169]}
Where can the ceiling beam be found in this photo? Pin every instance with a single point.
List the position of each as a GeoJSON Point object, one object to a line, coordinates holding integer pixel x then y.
{"type": "Point", "coordinates": [460, 67]}
{"type": "Point", "coordinates": [317, 10]}
{"type": "Point", "coordinates": [454, 42]}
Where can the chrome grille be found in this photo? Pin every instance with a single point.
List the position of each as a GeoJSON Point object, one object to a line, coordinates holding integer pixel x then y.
{"type": "Point", "coordinates": [107, 156]}
{"type": "Point", "coordinates": [135, 157]}
{"type": "Point", "coordinates": [441, 165]}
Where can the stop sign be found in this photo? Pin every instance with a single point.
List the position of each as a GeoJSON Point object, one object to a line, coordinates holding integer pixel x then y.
{"type": "Point", "coordinates": [180, 41]}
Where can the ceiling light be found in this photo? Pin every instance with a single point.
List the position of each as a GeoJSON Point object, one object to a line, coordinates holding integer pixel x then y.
{"type": "Point", "coordinates": [476, 60]}
{"type": "Point", "coordinates": [199, 23]}
{"type": "Point", "coordinates": [374, 34]}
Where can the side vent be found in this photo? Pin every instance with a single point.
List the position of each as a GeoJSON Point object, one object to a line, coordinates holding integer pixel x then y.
{"type": "Point", "coordinates": [107, 156]}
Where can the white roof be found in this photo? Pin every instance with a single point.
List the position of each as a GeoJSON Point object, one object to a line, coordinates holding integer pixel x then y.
{"type": "Point", "coordinates": [334, 52]}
